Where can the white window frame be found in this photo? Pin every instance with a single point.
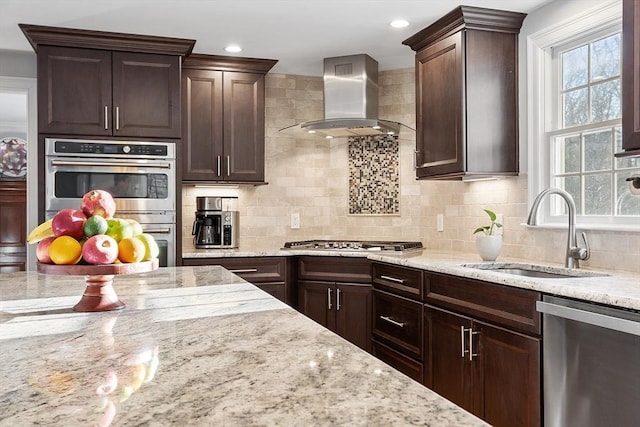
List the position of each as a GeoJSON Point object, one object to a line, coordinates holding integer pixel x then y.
{"type": "Point", "coordinates": [542, 99]}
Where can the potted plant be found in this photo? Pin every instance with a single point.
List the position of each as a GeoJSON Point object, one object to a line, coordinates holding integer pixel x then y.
{"type": "Point", "coordinates": [489, 244]}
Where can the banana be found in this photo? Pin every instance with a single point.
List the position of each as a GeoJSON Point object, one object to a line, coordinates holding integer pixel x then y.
{"type": "Point", "coordinates": [40, 232]}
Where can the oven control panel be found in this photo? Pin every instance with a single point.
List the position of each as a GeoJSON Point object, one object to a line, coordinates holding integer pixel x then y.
{"type": "Point", "coordinates": [73, 147]}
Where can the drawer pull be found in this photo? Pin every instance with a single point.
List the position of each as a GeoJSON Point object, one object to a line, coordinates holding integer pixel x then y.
{"type": "Point", "coordinates": [244, 270]}
{"type": "Point", "coordinates": [392, 279]}
{"type": "Point", "coordinates": [393, 322]}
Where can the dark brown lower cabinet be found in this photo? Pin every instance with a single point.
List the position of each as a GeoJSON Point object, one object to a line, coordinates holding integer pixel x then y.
{"type": "Point", "coordinates": [344, 308]}
{"type": "Point", "coordinates": [482, 351]}
{"type": "Point", "coordinates": [13, 225]}
{"type": "Point", "coordinates": [271, 274]}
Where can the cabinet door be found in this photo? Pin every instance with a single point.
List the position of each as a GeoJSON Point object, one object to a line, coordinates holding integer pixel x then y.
{"type": "Point", "coordinates": [146, 95]}
{"type": "Point", "coordinates": [316, 301]}
{"type": "Point", "coordinates": [353, 314]}
{"type": "Point", "coordinates": [74, 91]}
{"type": "Point", "coordinates": [13, 211]}
{"type": "Point", "coordinates": [631, 76]}
{"type": "Point", "coordinates": [202, 118]}
{"type": "Point", "coordinates": [510, 370]}
{"type": "Point", "coordinates": [447, 368]}
{"type": "Point", "coordinates": [243, 127]}
{"type": "Point", "coordinates": [439, 108]}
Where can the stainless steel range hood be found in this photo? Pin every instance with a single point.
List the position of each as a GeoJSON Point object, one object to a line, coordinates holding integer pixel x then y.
{"type": "Point", "coordinates": [350, 101]}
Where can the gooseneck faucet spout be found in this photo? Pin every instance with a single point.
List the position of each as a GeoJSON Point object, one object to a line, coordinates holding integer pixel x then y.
{"type": "Point", "coordinates": [574, 253]}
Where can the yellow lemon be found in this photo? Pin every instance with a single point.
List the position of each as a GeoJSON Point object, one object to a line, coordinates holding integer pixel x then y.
{"type": "Point", "coordinates": [65, 250]}
{"type": "Point", "coordinates": [151, 247]}
{"type": "Point", "coordinates": [131, 249]}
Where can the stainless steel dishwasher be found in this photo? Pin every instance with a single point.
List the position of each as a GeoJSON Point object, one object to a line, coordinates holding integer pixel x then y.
{"type": "Point", "coordinates": [591, 364]}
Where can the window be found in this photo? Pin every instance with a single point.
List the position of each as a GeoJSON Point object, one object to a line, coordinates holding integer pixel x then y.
{"type": "Point", "coordinates": [580, 125]}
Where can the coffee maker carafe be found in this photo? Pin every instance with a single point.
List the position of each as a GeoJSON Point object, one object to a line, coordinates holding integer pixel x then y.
{"type": "Point", "coordinates": [213, 227]}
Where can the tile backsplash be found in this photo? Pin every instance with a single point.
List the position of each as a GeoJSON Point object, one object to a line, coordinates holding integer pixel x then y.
{"type": "Point", "coordinates": [310, 176]}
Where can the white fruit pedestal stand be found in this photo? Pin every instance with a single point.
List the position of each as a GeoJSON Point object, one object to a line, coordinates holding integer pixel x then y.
{"type": "Point", "coordinates": [99, 295]}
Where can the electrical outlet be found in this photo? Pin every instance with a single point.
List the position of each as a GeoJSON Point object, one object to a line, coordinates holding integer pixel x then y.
{"type": "Point", "coordinates": [440, 222]}
{"type": "Point", "coordinates": [295, 220]}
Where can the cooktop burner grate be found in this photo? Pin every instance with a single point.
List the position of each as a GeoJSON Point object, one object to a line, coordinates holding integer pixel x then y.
{"type": "Point", "coordinates": [354, 245]}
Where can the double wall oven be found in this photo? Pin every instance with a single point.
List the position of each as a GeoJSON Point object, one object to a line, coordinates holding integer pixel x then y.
{"type": "Point", "coordinates": [140, 175]}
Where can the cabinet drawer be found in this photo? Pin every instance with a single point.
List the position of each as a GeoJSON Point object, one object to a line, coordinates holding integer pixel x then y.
{"type": "Point", "coordinates": [397, 322]}
{"type": "Point", "coordinates": [513, 308]}
{"type": "Point", "coordinates": [399, 361]}
{"type": "Point", "coordinates": [254, 270]}
{"type": "Point", "coordinates": [398, 280]}
{"type": "Point", "coordinates": [334, 269]}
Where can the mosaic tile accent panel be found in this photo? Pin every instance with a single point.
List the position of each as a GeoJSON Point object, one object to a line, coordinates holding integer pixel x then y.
{"type": "Point", "coordinates": [374, 183]}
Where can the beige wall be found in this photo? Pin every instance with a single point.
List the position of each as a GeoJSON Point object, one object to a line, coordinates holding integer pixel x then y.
{"type": "Point", "coordinates": [309, 176]}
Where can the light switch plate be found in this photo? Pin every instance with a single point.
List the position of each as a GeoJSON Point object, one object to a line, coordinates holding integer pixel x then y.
{"type": "Point", "coordinates": [295, 220]}
{"type": "Point", "coordinates": [440, 222]}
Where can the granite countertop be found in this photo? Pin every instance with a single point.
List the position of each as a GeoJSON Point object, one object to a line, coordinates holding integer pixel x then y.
{"type": "Point", "coordinates": [194, 346]}
{"type": "Point", "coordinates": [602, 286]}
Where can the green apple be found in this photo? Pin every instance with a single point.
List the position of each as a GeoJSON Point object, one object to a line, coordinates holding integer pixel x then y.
{"type": "Point", "coordinates": [119, 228]}
{"type": "Point", "coordinates": [95, 224]}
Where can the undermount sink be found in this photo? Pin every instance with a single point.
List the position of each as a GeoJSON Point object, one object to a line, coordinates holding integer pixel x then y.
{"type": "Point", "coordinates": [541, 272]}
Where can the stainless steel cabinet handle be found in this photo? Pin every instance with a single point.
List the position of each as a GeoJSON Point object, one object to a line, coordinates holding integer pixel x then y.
{"type": "Point", "coordinates": [471, 353]}
{"type": "Point", "coordinates": [218, 166]}
{"type": "Point", "coordinates": [415, 159]}
{"type": "Point", "coordinates": [329, 299]}
{"type": "Point", "coordinates": [462, 341]}
{"type": "Point", "coordinates": [392, 279]}
{"type": "Point", "coordinates": [106, 117]}
{"type": "Point", "coordinates": [228, 165]}
{"type": "Point", "coordinates": [393, 322]}
{"type": "Point", "coordinates": [337, 299]}
{"type": "Point", "coordinates": [131, 164]}
{"type": "Point", "coordinates": [117, 118]}
{"type": "Point", "coordinates": [244, 270]}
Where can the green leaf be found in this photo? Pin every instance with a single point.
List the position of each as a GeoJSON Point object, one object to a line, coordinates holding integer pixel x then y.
{"type": "Point", "coordinates": [492, 216]}
{"type": "Point", "coordinates": [481, 229]}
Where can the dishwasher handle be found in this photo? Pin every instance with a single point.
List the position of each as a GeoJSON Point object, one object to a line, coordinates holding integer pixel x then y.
{"type": "Point", "coordinates": [589, 317]}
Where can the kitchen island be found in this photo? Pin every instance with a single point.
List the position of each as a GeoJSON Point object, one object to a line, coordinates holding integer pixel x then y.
{"type": "Point", "coordinates": [194, 346]}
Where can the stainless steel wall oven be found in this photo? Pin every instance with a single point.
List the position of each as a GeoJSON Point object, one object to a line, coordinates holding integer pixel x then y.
{"type": "Point", "coordinates": [140, 175]}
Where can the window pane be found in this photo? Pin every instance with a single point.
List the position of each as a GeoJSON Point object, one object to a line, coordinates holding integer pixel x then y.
{"type": "Point", "coordinates": [624, 162]}
{"type": "Point", "coordinates": [597, 151]}
{"type": "Point", "coordinates": [597, 194]}
{"type": "Point", "coordinates": [605, 58]}
{"type": "Point", "coordinates": [567, 154]}
{"type": "Point", "coordinates": [574, 67]}
{"type": "Point", "coordinates": [605, 101]}
{"type": "Point", "coordinates": [571, 184]}
{"type": "Point", "coordinates": [575, 107]}
{"type": "Point", "coordinates": [626, 203]}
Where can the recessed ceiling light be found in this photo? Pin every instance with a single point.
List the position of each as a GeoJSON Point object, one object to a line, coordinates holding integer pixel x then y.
{"type": "Point", "coordinates": [399, 23]}
{"type": "Point", "coordinates": [232, 48]}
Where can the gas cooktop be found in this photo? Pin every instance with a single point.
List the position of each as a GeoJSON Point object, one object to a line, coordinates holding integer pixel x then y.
{"type": "Point", "coordinates": [354, 245]}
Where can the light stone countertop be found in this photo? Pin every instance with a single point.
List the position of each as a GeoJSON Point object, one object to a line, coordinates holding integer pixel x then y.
{"type": "Point", "coordinates": [194, 346]}
{"type": "Point", "coordinates": [614, 288]}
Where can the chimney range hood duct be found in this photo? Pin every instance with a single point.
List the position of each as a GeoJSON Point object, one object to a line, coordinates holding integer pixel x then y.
{"type": "Point", "coordinates": [350, 101]}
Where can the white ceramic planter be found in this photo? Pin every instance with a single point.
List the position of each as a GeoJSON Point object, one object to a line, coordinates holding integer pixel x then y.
{"type": "Point", "coordinates": [488, 247]}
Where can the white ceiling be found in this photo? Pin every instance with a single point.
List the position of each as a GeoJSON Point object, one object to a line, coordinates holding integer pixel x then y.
{"type": "Point", "coordinates": [299, 33]}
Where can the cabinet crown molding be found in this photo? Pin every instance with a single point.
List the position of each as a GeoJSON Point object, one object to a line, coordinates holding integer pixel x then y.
{"type": "Point", "coordinates": [467, 17]}
{"type": "Point", "coordinates": [228, 63]}
{"type": "Point", "coordinates": [91, 39]}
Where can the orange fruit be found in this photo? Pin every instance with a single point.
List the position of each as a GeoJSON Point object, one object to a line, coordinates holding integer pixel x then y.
{"type": "Point", "coordinates": [65, 250]}
{"type": "Point", "coordinates": [131, 249]}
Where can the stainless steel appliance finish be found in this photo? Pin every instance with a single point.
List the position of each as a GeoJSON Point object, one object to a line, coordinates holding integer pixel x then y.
{"type": "Point", "coordinates": [354, 245]}
{"type": "Point", "coordinates": [215, 230]}
{"type": "Point", "coordinates": [207, 203]}
{"type": "Point", "coordinates": [591, 364]}
{"type": "Point", "coordinates": [350, 100]}
{"type": "Point", "coordinates": [140, 175]}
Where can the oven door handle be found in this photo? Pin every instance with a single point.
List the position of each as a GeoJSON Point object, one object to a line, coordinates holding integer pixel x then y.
{"type": "Point", "coordinates": [157, 230]}
{"type": "Point", "coordinates": [118, 164]}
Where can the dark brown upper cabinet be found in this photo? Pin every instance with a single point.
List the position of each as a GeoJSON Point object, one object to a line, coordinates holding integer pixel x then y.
{"type": "Point", "coordinates": [95, 83]}
{"type": "Point", "coordinates": [467, 94]}
{"type": "Point", "coordinates": [630, 78]}
{"type": "Point", "coordinates": [223, 118]}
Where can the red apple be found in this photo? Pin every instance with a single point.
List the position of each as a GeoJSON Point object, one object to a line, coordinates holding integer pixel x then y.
{"type": "Point", "coordinates": [69, 222]}
{"type": "Point", "coordinates": [100, 249]}
{"type": "Point", "coordinates": [42, 250]}
{"type": "Point", "coordinates": [98, 202]}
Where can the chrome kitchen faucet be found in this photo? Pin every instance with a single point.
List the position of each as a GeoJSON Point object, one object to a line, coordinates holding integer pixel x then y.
{"type": "Point", "coordinates": [574, 253]}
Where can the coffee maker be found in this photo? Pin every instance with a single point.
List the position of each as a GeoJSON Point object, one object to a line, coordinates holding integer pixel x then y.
{"type": "Point", "coordinates": [216, 223]}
